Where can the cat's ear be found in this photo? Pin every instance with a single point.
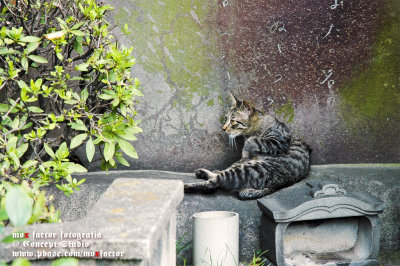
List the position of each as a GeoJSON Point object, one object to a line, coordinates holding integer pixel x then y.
{"type": "Point", "coordinates": [234, 100]}
{"type": "Point", "coordinates": [248, 106]}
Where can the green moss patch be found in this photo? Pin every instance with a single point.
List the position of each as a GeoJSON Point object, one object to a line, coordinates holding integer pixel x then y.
{"type": "Point", "coordinates": [371, 100]}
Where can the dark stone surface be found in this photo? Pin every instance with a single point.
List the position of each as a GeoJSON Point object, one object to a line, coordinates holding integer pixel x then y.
{"type": "Point", "coordinates": [382, 181]}
{"type": "Point", "coordinates": [330, 71]}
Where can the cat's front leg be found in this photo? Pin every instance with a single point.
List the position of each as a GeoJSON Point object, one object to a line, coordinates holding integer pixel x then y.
{"type": "Point", "coordinates": [251, 148]}
{"type": "Point", "coordinates": [210, 185]}
{"type": "Point", "coordinates": [204, 174]}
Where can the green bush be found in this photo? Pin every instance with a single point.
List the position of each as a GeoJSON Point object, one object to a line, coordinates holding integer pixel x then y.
{"type": "Point", "coordinates": [64, 82]}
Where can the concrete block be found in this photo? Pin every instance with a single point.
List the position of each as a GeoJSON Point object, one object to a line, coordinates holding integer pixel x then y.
{"type": "Point", "coordinates": [134, 221]}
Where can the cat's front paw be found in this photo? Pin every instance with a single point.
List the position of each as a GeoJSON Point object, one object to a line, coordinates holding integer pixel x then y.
{"type": "Point", "coordinates": [203, 174]}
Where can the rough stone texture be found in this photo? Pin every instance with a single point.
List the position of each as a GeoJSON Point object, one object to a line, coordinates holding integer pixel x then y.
{"type": "Point", "coordinates": [321, 221]}
{"type": "Point", "coordinates": [328, 68]}
{"type": "Point", "coordinates": [381, 181]}
{"type": "Point", "coordinates": [134, 216]}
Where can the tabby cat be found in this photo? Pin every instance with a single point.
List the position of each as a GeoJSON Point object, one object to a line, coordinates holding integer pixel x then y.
{"type": "Point", "coordinates": [271, 157]}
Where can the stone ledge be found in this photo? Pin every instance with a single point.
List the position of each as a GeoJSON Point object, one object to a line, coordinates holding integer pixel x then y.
{"type": "Point", "coordinates": [132, 216]}
{"type": "Point", "coordinates": [381, 180]}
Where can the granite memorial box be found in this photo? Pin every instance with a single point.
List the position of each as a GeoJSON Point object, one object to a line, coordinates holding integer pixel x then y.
{"type": "Point", "coordinates": [320, 223]}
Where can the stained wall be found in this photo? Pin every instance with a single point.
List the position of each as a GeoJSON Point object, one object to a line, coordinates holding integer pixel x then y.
{"type": "Point", "coordinates": [329, 68]}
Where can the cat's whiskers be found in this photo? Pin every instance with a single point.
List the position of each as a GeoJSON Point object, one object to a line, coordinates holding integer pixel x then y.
{"type": "Point", "coordinates": [232, 141]}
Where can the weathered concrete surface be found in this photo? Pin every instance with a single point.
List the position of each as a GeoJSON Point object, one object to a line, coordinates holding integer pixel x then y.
{"type": "Point", "coordinates": [382, 181]}
{"type": "Point", "coordinates": [328, 68]}
{"type": "Point", "coordinates": [134, 221]}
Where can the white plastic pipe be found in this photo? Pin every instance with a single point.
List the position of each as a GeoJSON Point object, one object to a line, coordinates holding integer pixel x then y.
{"type": "Point", "coordinates": [216, 238]}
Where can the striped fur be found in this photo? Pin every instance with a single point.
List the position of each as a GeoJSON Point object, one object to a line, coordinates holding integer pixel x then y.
{"type": "Point", "coordinates": [271, 157]}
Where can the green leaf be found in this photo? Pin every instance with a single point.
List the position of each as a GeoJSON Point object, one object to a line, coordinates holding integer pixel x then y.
{"type": "Point", "coordinates": [122, 160]}
{"type": "Point", "coordinates": [18, 206]}
{"type": "Point", "coordinates": [60, 56]}
{"type": "Point", "coordinates": [106, 96]}
{"type": "Point", "coordinates": [15, 123]}
{"type": "Point", "coordinates": [29, 163]}
{"type": "Point", "coordinates": [49, 151]}
{"type": "Point", "coordinates": [109, 149]}
{"type": "Point", "coordinates": [32, 47]}
{"type": "Point", "coordinates": [30, 100]}
{"type": "Point", "coordinates": [21, 262]}
{"type": "Point", "coordinates": [23, 85]}
{"type": "Point", "coordinates": [35, 109]}
{"type": "Point", "coordinates": [129, 133]}
{"type": "Point", "coordinates": [82, 67]}
{"type": "Point", "coordinates": [127, 148]}
{"type": "Point", "coordinates": [48, 164]}
{"type": "Point", "coordinates": [4, 108]}
{"type": "Point", "coordinates": [78, 126]}
{"type": "Point", "coordinates": [29, 39]}
{"type": "Point", "coordinates": [24, 63]}
{"type": "Point", "coordinates": [78, 78]}
{"type": "Point", "coordinates": [38, 207]}
{"type": "Point", "coordinates": [76, 168]}
{"type": "Point", "coordinates": [27, 125]}
{"type": "Point", "coordinates": [38, 59]}
{"type": "Point", "coordinates": [123, 109]}
{"type": "Point", "coordinates": [63, 24]}
{"type": "Point", "coordinates": [15, 159]}
{"type": "Point", "coordinates": [78, 25]}
{"type": "Point", "coordinates": [115, 102]}
{"type": "Point", "coordinates": [8, 239]}
{"type": "Point", "coordinates": [78, 47]}
{"type": "Point", "coordinates": [84, 95]}
{"type": "Point", "coordinates": [68, 177]}
{"type": "Point", "coordinates": [90, 149]}
{"type": "Point", "coordinates": [65, 262]}
{"type": "Point", "coordinates": [22, 149]}
{"type": "Point", "coordinates": [12, 142]}
{"type": "Point", "coordinates": [112, 77]}
{"type": "Point", "coordinates": [6, 51]}
{"type": "Point", "coordinates": [78, 140]}
{"type": "Point", "coordinates": [78, 32]}
{"type": "Point", "coordinates": [3, 215]}
{"type": "Point", "coordinates": [62, 151]}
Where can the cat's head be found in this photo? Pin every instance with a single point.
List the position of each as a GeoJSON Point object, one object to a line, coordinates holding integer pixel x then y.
{"type": "Point", "coordinates": [241, 120]}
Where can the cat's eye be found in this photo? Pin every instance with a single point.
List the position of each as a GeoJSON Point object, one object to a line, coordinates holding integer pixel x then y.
{"type": "Point", "coordinates": [234, 122]}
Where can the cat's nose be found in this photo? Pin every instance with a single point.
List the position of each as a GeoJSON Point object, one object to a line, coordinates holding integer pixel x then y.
{"type": "Point", "coordinates": [224, 127]}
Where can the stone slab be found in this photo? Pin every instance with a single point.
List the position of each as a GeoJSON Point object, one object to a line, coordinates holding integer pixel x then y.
{"type": "Point", "coordinates": [133, 217]}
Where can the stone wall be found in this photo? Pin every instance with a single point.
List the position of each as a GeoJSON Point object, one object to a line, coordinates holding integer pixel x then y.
{"type": "Point", "coordinates": [329, 69]}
